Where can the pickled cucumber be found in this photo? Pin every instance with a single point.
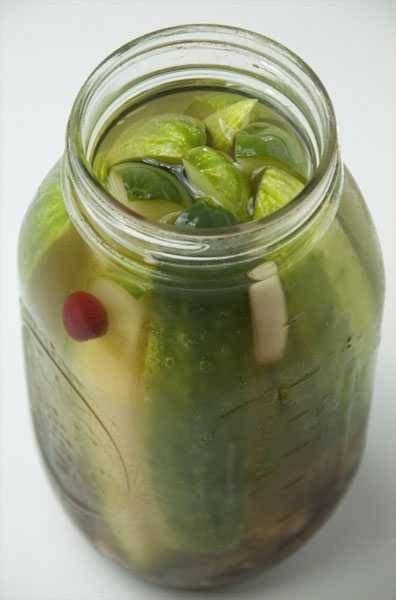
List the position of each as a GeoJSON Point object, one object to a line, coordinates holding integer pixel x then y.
{"type": "Point", "coordinates": [224, 124]}
{"type": "Point", "coordinates": [262, 144]}
{"type": "Point", "coordinates": [131, 181]}
{"type": "Point", "coordinates": [201, 215]}
{"type": "Point", "coordinates": [207, 103]}
{"type": "Point", "coordinates": [112, 371]}
{"type": "Point", "coordinates": [166, 137]}
{"type": "Point", "coordinates": [46, 221]}
{"type": "Point", "coordinates": [276, 189]}
{"type": "Point", "coordinates": [313, 405]}
{"type": "Point", "coordinates": [217, 177]}
{"type": "Point", "coordinates": [197, 363]}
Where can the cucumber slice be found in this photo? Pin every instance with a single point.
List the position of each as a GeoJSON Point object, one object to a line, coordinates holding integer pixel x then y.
{"type": "Point", "coordinates": [157, 210]}
{"type": "Point", "coordinates": [315, 405]}
{"type": "Point", "coordinates": [214, 174]}
{"type": "Point", "coordinates": [204, 105]}
{"type": "Point", "coordinates": [276, 189]}
{"type": "Point", "coordinates": [269, 313]}
{"type": "Point", "coordinates": [137, 181]}
{"type": "Point", "coordinates": [112, 371]}
{"type": "Point", "coordinates": [46, 221]}
{"type": "Point", "coordinates": [166, 137]}
{"type": "Point", "coordinates": [225, 123]}
{"type": "Point", "coordinates": [263, 144]}
{"type": "Point", "coordinates": [203, 216]}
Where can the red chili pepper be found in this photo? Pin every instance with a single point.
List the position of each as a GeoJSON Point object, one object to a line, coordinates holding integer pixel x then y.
{"type": "Point", "coordinates": [84, 317]}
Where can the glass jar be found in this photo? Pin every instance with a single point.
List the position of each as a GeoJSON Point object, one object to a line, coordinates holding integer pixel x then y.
{"type": "Point", "coordinates": [218, 422]}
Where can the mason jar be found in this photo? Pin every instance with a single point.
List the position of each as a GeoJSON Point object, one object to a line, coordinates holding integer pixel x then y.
{"type": "Point", "coordinates": [219, 420]}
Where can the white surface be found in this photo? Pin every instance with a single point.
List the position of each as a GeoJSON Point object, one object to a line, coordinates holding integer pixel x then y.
{"type": "Point", "coordinates": [47, 49]}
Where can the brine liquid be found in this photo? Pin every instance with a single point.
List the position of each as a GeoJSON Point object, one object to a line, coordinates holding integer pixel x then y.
{"type": "Point", "coordinates": [191, 102]}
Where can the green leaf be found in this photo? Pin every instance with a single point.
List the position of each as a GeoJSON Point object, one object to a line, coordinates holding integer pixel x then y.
{"type": "Point", "coordinates": [203, 216]}
{"type": "Point", "coordinates": [217, 177]}
{"type": "Point", "coordinates": [276, 189]}
{"type": "Point", "coordinates": [225, 123]}
{"type": "Point", "coordinates": [266, 144]}
{"type": "Point", "coordinates": [166, 137]}
{"type": "Point", "coordinates": [137, 181]}
{"type": "Point", "coordinates": [45, 222]}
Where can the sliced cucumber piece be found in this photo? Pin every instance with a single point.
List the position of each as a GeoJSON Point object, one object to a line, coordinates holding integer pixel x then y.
{"type": "Point", "coordinates": [263, 144]}
{"type": "Point", "coordinates": [225, 123]}
{"type": "Point", "coordinates": [157, 210]}
{"type": "Point", "coordinates": [203, 216]}
{"type": "Point", "coordinates": [217, 177]}
{"type": "Point", "coordinates": [135, 286]}
{"type": "Point", "coordinates": [276, 189]}
{"type": "Point", "coordinates": [204, 105]}
{"type": "Point", "coordinates": [166, 137]}
{"type": "Point", "coordinates": [112, 371]}
{"type": "Point", "coordinates": [137, 181]}
{"type": "Point", "coordinates": [46, 221]}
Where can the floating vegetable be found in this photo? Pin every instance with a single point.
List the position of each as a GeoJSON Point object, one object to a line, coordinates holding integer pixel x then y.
{"type": "Point", "coordinates": [216, 176]}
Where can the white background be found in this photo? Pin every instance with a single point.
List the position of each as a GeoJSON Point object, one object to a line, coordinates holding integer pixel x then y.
{"type": "Point", "coordinates": [47, 49]}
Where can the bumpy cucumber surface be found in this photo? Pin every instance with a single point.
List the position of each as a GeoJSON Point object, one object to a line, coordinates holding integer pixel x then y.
{"type": "Point", "coordinates": [197, 367]}
{"type": "Point", "coordinates": [310, 404]}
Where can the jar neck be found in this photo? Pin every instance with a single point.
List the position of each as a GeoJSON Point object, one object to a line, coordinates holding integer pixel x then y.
{"type": "Point", "coordinates": [217, 56]}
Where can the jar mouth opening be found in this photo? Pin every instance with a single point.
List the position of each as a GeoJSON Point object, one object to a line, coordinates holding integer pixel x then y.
{"type": "Point", "coordinates": [268, 229]}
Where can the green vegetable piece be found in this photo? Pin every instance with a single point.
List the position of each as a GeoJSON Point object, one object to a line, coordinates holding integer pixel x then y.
{"type": "Point", "coordinates": [276, 189]}
{"type": "Point", "coordinates": [203, 216]}
{"type": "Point", "coordinates": [111, 370]}
{"type": "Point", "coordinates": [131, 181]}
{"type": "Point", "coordinates": [217, 177]}
{"type": "Point", "coordinates": [264, 144]}
{"type": "Point", "coordinates": [204, 105]}
{"type": "Point", "coordinates": [163, 211]}
{"type": "Point", "coordinates": [166, 137]}
{"type": "Point", "coordinates": [225, 123]}
{"type": "Point", "coordinates": [197, 438]}
{"type": "Point", "coordinates": [46, 221]}
{"type": "Point", "coordinates": [317, 333]}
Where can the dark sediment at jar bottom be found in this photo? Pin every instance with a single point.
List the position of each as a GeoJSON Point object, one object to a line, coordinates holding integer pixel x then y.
{"type": "Point", "coordinates": [214, 571]}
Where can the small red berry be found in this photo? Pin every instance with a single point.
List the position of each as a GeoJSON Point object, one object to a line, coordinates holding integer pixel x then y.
{"type": "Point", "coordinates": [84, 317]}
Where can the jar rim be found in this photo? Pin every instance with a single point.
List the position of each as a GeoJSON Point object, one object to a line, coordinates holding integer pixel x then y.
{"type": "Point", "coordinates": [267, 230]}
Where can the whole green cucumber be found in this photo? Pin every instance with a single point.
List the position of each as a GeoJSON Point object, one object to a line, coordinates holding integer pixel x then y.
{"type": "Point", "coordinates": [314, 401]}
{"type": "Point", "coordinates": [197, 368]}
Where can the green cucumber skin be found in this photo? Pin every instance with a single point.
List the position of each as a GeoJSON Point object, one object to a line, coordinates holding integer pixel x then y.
{"type": "Point", "coordinates": [202, 215]}
{"type": "Point", "coordinates": [45, 221]}
{"type": "Point", "coordinates": [317, 398]}
{"type": "Point", "coordinates": [283, 421]}
{"type": "Point", "coordinates": [146, 182]}
{"type": "Point", "coordinates": [283, 444]}
{"type": "Point", "coordinates": [196, 372]}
